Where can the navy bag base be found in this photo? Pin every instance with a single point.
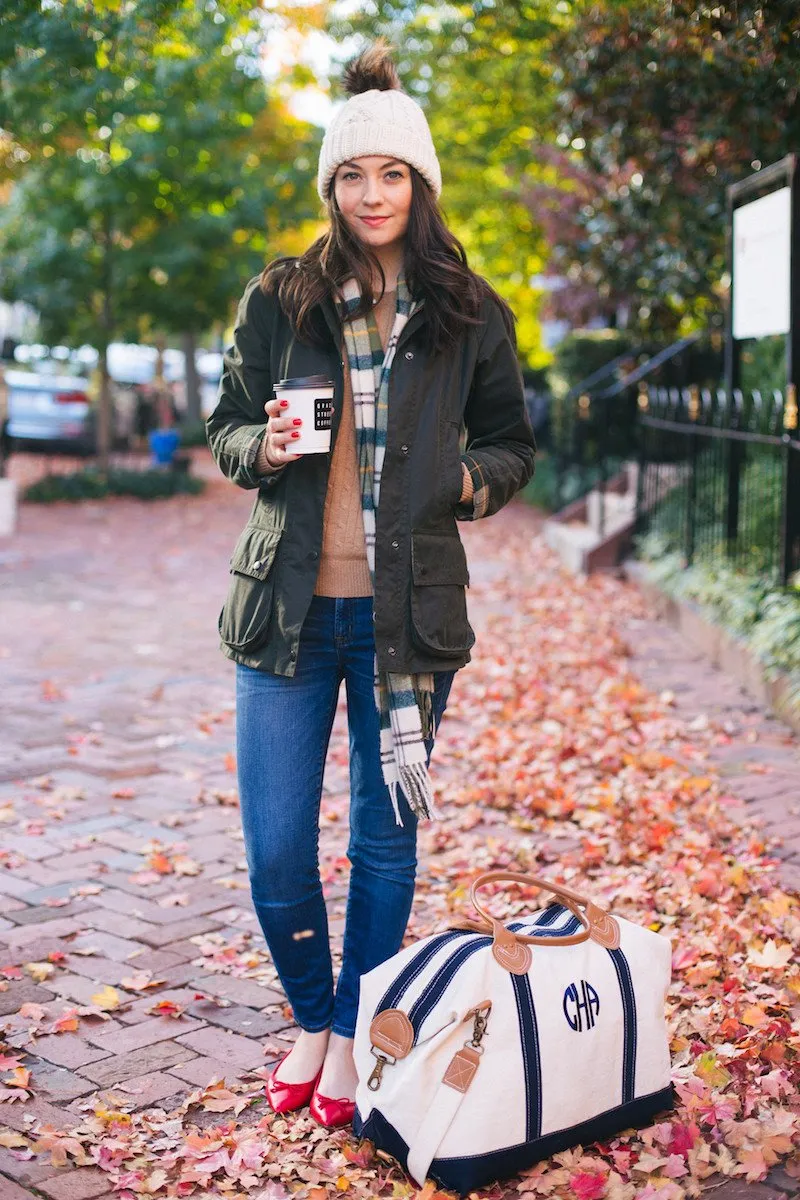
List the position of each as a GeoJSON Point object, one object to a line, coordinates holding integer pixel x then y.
{"type": "Point", "coordinates": [465, 1175]}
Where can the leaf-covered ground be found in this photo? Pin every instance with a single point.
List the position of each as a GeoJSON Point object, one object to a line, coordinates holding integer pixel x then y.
{"type": "Point", "coordinates": [552, 758]}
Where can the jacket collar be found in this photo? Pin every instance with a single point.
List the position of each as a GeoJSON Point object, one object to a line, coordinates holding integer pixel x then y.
{"type": "Point", "coordinates": [334, 323]}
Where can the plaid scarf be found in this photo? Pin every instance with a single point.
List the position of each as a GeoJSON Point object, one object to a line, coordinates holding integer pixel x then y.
{"type": "Point", "coordinates": [404, 702]}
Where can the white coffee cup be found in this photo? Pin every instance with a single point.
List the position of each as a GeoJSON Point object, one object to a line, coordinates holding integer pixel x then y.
{"type": "Point", "coordinates": [311, 399]}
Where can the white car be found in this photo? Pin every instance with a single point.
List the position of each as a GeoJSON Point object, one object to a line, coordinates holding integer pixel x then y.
{"type": "Point", "coordinates": [51, 411]}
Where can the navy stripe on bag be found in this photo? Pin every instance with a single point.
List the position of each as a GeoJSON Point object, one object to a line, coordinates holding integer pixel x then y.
{"type": "Point", "coordinates": [629, 1024]}
{"type": "Point", "coordinates": [531, 1058]}
{"type": "Point", "coordinates": [430, 997]}
{"type": "Point", "coordinates": [550, 914]}
{"type": "Point", "coordinates": [419, 962]}
{"type": "Point", "coordinates": [539, 928]}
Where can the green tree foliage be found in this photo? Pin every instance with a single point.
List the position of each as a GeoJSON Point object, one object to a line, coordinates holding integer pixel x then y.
{"type": "Point", "coordinates": [152, 172]}
{"type": "Point", "coordinates": [661, 105]}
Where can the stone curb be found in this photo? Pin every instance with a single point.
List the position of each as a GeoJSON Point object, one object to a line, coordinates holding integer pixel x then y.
{"type": "Point", "coordinates": [724, 650]}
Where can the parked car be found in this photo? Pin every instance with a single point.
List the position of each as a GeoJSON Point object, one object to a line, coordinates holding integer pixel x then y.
{"type": "Point", "coordinates": [48, 408]}
{"type": "Point", "coordinates": [49, 411]}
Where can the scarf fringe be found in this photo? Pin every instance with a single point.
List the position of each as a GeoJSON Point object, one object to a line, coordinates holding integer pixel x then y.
{"type": "Point", "coordinates": [418, 790]}
{"type": "Point", "coordinates": [393, 793]}
{"type": "Point", "coordinates": [424, 698]}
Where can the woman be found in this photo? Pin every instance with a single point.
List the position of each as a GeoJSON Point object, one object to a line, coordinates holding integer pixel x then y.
{"type": "Point", "coordinates": [350, 566]}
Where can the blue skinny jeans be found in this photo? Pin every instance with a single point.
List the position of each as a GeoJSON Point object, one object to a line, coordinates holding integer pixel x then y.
{"type": "Point", "coordinates": [283, 726]}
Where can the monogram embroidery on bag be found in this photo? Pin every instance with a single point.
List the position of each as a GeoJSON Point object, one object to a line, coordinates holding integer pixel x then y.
{"type": "Point", "coordinates": [581, 1007]}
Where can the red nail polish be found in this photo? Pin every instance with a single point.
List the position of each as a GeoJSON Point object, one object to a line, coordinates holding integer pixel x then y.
{"type": "Point", "coordinates": [297, 421]}
{"type": "Point", "coordinates": [284, 403]}
{"type": "Point", "coordinates": [295, 434]}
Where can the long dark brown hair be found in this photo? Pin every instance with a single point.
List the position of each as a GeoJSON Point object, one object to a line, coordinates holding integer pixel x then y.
{"type": "Point", "coordinates": [434, 267]}
{"type": "Point", "coordinates": [434, 261]}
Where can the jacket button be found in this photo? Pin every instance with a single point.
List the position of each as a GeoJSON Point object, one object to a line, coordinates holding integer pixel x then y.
{"type": "Point", "coordinates": [257, 565]}
{"type": "Point", "coordinates": [409, 354]}
{"type": "Point", "coordinates": [314, 554]}
{"type": "Point", "coordinates": [404, 449]}
{"type": "Point", "coordinates": [392, 650]}
{"type": "Point", "coordinates": [395, 545]}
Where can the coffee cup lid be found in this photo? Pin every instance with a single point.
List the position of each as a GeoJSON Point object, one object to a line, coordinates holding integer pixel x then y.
{"type": "Point", "coordinates": [304, 381]}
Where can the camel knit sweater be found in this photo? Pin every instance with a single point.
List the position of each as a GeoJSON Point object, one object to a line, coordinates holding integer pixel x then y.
{"type": "Point", "coordinates": [343, 566]}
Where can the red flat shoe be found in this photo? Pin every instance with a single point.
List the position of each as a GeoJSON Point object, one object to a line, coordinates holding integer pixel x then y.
{"type": "Point", "coordinates": [286, 1097]}
{"type": "Point", "coordinates": [332, 1114]}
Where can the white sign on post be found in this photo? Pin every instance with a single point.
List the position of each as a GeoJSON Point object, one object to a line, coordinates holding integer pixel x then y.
{"type": "Point", "coordinates": [761, 249]}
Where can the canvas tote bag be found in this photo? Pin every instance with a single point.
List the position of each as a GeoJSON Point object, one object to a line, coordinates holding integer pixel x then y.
{"type": "Point", "coordinates": [487, 1047]}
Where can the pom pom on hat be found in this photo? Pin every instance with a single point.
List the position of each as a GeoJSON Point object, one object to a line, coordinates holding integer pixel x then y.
{"type": "Point", "coordinates": [379, 118]}
{"type": "Point", "coordinates": [372, 71]}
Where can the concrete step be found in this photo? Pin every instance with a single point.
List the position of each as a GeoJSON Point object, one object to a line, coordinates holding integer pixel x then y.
{"type": "Point", "coordinates": [575, 533]}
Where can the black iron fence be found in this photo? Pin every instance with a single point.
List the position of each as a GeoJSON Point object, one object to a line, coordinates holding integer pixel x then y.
{"type": "Point", "coordinates": [592, 432]}
{"type": "Point", "coordinates": [719, 476]}
{"type": "Point", "coordinates": [595, 428]}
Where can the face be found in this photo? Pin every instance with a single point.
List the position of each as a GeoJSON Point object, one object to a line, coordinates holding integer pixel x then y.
{"type": "Point", "coordinates": [374, 197]}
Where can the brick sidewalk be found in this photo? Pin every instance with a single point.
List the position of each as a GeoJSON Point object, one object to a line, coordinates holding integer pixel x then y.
{"type": "Point", "coordinates": [761, 762]}
{"type": "Point", "coordinates": [118, 719]}
{"type": "Point", "coordinates": [116, 760]}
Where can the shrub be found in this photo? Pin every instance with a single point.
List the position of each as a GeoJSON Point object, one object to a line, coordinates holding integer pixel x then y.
{"type": "Point", "coordinates": [764, 616]}
{"type": "Point", "coordinates": [762, 363]}
{"type": "Point", "coordinates": [542, 490]}
{"type": "Point", "coordinates": [90, 484]}
{"type": "Point", "coordinates": [583, 352]}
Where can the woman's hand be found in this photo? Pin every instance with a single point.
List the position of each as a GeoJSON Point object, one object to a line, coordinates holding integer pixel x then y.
{"type": "Point", "coordinates": [282, 430]}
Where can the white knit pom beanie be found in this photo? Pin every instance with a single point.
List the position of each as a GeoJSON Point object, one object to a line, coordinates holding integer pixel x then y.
{"type": "Point", "coordinates": [378, 118]}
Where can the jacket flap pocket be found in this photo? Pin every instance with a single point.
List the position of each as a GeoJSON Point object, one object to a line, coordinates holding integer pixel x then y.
{"type": "Point", "coordinates": [438, 558]}
{"type": "Point", "coordinates": [255, 552]}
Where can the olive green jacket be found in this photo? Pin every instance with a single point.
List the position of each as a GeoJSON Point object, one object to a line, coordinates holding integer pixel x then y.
{"type": "Point", "coordinates": [419, 605]}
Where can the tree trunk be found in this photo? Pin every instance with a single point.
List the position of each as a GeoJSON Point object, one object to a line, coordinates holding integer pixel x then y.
{"type": "Point", "coordinates": [5, 447]}
{"type": "Point", "coordinates": [104, 414]}
{"type": "Point", "coordinates": [194, 412]}
{"type": "Point", "coordinates": [105, 402]}
{"type": "Point", "coordinates": [162, 393]}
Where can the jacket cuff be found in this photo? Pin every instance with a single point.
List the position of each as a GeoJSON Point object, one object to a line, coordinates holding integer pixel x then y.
{"type": "Point", "coordinates": [474, 507]}
{"type": "Point", "coordinates": [467, 486]}
{"type": "Point", "coordinates": [264, 471]}
{"type": "Point", "coordinates": [262, 465]}
{"type": "Point", "coordinates": [241, 451]}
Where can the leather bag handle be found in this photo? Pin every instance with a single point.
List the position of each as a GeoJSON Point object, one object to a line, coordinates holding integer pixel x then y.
{"type": "Point", "coordinates": [569, 899]}
{"type": "Point", "coordinates": [509, 947]}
